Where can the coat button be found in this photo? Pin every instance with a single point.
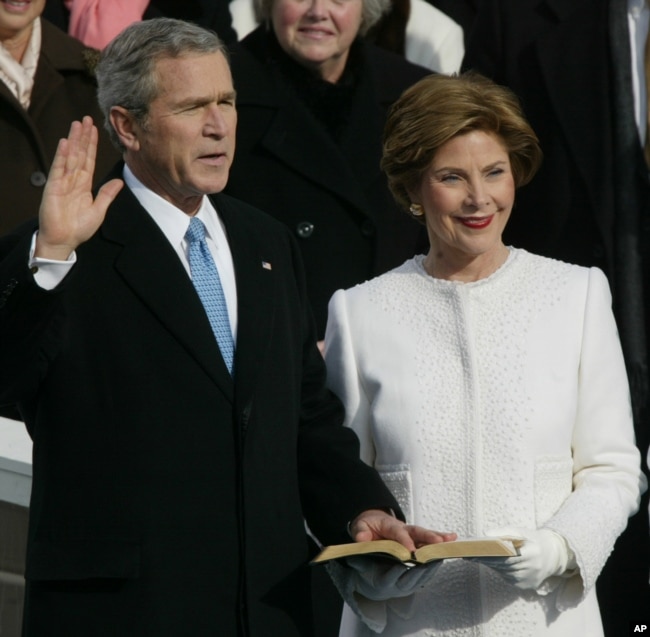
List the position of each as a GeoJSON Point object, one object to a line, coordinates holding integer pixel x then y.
{"type": "Point", "coordinates": [368, 228]}
{"type": "Point", "coordinates": [37, 178]}
{"type": "Point", "coordinates": [305, 229]}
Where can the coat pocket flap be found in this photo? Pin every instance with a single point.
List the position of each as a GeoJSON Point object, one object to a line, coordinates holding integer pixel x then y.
{"type": "Point", "coordinates": [82, 559]}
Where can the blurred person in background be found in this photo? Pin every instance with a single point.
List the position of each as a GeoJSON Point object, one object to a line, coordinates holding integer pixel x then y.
{"type": "Point", "coordinates": [97, 22]}
{"type": "Point", "coordinates": [415, 29]}
{"type": "Point", "coordinates": [312, 97]}
{"type": "Point", "coordinates": [46, 82]}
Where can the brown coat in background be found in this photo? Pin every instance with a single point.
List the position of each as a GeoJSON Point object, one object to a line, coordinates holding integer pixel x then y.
{"type": "Point", "coordinates": [64, 90]}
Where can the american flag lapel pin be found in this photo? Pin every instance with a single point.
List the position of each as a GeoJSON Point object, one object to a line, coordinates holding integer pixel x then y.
{"type": "Point", "coordinates": [266, 265]}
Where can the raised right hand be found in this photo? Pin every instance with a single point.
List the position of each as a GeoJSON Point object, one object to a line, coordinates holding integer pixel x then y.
{"type": "Point", "coordinates": [68, 214]}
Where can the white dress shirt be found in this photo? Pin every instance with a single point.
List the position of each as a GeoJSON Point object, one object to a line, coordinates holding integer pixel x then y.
{"type": "Point", "coordinates": [174, 224]}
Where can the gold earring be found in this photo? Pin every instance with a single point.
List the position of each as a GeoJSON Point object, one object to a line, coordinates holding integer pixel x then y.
{"type": "Point", "coordinates": [416, 210]}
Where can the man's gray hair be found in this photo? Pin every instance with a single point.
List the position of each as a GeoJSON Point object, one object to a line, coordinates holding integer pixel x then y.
{"type": "Point", "coordinates": [372, 11]}
{"type": "Point", "coordinates": [126, 70]}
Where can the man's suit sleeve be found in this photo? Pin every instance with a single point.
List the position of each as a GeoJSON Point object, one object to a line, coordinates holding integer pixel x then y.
{"type": "Point", "coordinates": [335, 484]}
{"type": "Point", "coordinates": [27, 321]}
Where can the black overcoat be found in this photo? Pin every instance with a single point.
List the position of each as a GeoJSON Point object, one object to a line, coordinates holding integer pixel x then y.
{"type": "Point", "coordinates": [168, 498]}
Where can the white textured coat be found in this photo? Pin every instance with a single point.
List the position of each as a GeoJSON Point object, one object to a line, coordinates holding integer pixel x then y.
{"type": "Point", "coordinates": [502, 402]}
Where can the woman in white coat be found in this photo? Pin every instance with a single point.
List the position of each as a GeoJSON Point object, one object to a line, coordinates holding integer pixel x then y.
{"type": "Point", "coordinates": [487, 386]}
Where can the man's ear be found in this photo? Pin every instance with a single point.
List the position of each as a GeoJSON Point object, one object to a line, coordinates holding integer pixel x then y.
{"type": "Point", "coordinates": [125, 126]}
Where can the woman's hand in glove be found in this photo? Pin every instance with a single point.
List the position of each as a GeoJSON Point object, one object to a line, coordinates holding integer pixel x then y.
{"type": "Point", "coordinates": [543, 554]}
{"type": "Point", "coordinates": [380, 581]}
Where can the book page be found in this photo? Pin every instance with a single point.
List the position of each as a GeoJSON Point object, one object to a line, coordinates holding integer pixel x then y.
{"type": "Point", "coordinates": [377, 547]}
{"type": "Point", "coordinates": [471, 547]}
{"type": "Point", "coordinates": [474, 547]}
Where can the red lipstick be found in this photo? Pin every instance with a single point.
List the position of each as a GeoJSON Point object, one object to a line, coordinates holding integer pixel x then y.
{"type": "Point", "coordinates": [476, 223]}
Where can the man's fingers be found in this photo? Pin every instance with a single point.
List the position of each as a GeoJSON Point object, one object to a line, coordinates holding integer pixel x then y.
{"type": "Point", "coordinates": [60, 158]}
{"type": "Point", "coordinates": [76, 151]}
{"type": "Point", "coordinates": [422, 536]}
{"type": "Point", "coordinates": [74, 148]}
{"type": "Point", "coordinates": [401, 534]}
{"type": "Point", "coordinates": [89, 144]}
{"type": "Point", "coordinates": [373, 525]}
{"type": "Point", "coordinates": [107, 194]}
{"type": "Point", "coordinates": [82, 157]}
{"type": "Point", "coordinates": [363, 535]}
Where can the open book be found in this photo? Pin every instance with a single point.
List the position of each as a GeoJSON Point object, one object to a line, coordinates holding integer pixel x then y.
{"type": "Point", "coordinates": [474, 547]}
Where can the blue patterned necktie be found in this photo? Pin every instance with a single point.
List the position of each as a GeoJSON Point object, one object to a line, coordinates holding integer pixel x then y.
{"type": "Point", "coordinates": [207, 283]}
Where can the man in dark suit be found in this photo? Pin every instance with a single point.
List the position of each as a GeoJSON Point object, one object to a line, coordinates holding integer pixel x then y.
{"type": "Point", "coordinates": [570, 63]}
{"type": "Point", "coordinates": [170, 489]}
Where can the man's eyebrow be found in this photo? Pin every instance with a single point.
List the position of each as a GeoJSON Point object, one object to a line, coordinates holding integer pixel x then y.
{"type": "Point", "coordinates": [199, 100]}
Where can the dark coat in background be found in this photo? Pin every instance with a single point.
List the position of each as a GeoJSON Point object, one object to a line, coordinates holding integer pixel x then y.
{"type": "Point", "coordinates": [567, 212]}
{"type": "Point", "coordinates": [330, 192]}
{"type": "Point", "coordinates": [211, 14]}
{"type": "Point", "coordinates": [168, 498]}
{"type": "Point", "coordinates": [569, 63]}
{"type": "Point", "coordinates": [64, 91]}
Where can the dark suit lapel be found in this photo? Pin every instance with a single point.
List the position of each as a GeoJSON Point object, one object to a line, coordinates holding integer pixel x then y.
{"type": "Point", "coordinates": [149, 265]}
{"type": "Point", "coordinates": [255, 294]}
{"type": "Point", "coordinates": [567, 54]}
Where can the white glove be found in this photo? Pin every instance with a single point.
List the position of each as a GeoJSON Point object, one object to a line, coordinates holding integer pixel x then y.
{"type": "Point", "coordinates": [543, 554]}
{"type": "Point", "coordinates": [379, 581]}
